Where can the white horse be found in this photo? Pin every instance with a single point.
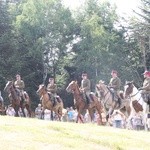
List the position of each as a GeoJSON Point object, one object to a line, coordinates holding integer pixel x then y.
{"type": "Point", "coordinates": [131, 92]}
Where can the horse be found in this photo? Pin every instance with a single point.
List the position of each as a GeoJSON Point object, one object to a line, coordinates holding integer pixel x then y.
{"type": "Point", "coordinates": [15, 99]}
{"type": "Point", "coordinates": [2, 107]}
{"type": "Point", "coordinates": [80, 103]}
{"type": "Point", "coordinates": [47, 102]}
{"type": "Point", "coordinates": [106, 96]}
{"type": "Point", "coordinates": [137, 103]}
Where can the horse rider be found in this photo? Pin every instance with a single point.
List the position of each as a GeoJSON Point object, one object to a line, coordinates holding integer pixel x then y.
{"type": "Point", "coordinates": [52, 89]}
{"type": "Point", "coordinates": [145, 89]}
{"type": "Point", "coordinates": [114, 85]}
{"type": "Point", "coordinates": [86, 88]}
{"type": "Point", "coordinates": [19, 84]}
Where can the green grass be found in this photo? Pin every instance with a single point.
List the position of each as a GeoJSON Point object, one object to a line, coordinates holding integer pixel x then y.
{"type": "Point", "coordinates": [33, 134]}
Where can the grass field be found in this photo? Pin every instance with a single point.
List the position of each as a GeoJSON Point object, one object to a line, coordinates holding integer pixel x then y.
{"type": "Point", "coordinates": [33, 134]}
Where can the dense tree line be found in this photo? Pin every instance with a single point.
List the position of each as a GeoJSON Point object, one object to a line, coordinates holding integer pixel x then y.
{"type": "Point", "coordinates": [39, 39]}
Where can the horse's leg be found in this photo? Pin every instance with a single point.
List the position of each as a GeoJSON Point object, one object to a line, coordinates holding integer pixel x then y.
{"type": "Point", "coordinates": [128, 110]}
{"type": "Point", "coordinates": [16, 108]}
{"type": "Point", "coordinates": [91, 114]}
{"type": "Point", "coordinates": [22, 109]}
{"type": "Point", "coordinates": [28, 109]}
{"type": "Point", "coordinates": [145, 115]}
{"type": "Point", "coordinates": [42, 113]}
{"type": "Point", "coordinates": [98, 108]}
{"type": "Point", "coordinates": [60, 113]}
{"type": "Point", "coordinates": [52, 117]}
{"type": "Point", "coordinates": [79, 117]}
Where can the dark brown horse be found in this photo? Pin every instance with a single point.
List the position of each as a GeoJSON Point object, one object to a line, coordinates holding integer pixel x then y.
{"type": "Point", "coordinates": [47, 102]}
{"type": "Point", "coordinates": [80, 103]}
{"type": "Point", "coordinates": [16, 100]}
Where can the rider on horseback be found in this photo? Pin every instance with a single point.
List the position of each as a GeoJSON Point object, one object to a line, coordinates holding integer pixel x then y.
{"type": "Point", "coordinates": [19, 84]}
{"type": "Point", "coordinates": [114, 86]}
{"type": "Point", "coordinates": [86, 88]}
{"type": "Point", "coordinates": [145, 90]}
{"type": "Point", "coordinates": [52, 89]}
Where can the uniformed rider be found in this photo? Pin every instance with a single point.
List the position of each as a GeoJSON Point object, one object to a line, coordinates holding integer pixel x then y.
{"type": "Point", "coordinates": [52, 89]}
{"type": "Point", "coordinates": [86, 88]}
{"type": "Point", "coordinates": [114, 85]}
{"type": "Point", "coordinates": [19, 84]}
{"type": "Point", "coordinates": [145, 89]}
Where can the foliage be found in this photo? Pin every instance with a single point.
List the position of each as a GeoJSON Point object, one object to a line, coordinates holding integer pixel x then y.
{"type": "Point", "coordinates": [39, 39]}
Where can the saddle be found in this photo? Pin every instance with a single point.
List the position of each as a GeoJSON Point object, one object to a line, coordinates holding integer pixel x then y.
{"type": "Point", "coordinates": [115, 97]}
{"type": "Point", "coordinates": [88, 99]}
{"type": "Point", "coordinates": [54, 99]}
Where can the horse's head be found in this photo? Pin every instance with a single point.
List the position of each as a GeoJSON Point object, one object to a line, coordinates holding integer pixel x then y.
{"type": "Point", "coordinates": [100, 88]}
{"type": "Point", "coordinates": [128, 88]}
{"type": "Point", "coordinates": [8, 86]}
{"type": "Point", "coordinates": [41, 89]}
{"type": "Point", "coordinates": [71, 87]}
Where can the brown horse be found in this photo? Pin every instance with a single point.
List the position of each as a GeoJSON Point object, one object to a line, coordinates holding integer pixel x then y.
{"type": "Point", "coordinates": [80, 103]}
{"type": "Point", "coordinates": [2, 107]}
{"type": "Point", "coordinates": [109, 103]}
{"type": "Point", "coordinates": [47, 102]}
{"type": "Point", "coordinates": [16, 100]}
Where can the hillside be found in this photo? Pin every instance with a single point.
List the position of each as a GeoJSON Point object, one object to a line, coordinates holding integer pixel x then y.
{"type": "Point", "coordinates": [33, 134]}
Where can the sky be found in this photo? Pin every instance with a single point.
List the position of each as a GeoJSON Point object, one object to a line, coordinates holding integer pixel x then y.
{"type": "Point", "coordinates": [125, 7]}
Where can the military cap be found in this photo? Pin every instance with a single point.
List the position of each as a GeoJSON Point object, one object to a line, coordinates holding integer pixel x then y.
{"type": "Point", "coordinates": [17, 75]}
{"type": "Point", "coordinates": [114, 71]}
{"type": "Point", "coordinates": [84, 73]}
{"type": "Point", "coordinates": [146, 73]}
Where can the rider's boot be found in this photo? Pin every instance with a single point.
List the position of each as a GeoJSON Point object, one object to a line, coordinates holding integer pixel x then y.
{"type": "Point", "coordinates": [54, 102]}
{"type": "Point", "coordinates": [119, 101]}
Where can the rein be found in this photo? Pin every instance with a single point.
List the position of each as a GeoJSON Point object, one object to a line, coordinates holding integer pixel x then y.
{"type": "Point", "coordinates": [135, 94]}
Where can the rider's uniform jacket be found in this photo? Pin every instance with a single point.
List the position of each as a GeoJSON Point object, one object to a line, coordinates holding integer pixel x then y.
{"type": "Point", "coordinates": [19, 84]}
{"type": "Point", "coordinates": [86, 85]}
{"type": "Point", "coordinates": [52, 88]}
{"type": "Point", "coordinates": [115, 83]}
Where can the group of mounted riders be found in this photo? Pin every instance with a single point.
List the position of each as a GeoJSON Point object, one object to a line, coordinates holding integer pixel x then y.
{"type": "Point", "coordinates": [115, 84]}
{"type": "Point", "coordinates": [85, 88]}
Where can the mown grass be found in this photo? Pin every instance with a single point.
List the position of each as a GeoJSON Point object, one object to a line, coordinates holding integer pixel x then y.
{"type": "Point", "coordinates": [33, 134]}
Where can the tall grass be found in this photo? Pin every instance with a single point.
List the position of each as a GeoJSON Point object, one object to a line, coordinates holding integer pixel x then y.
{"type": "Point", "coordinates": [33, 134]}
